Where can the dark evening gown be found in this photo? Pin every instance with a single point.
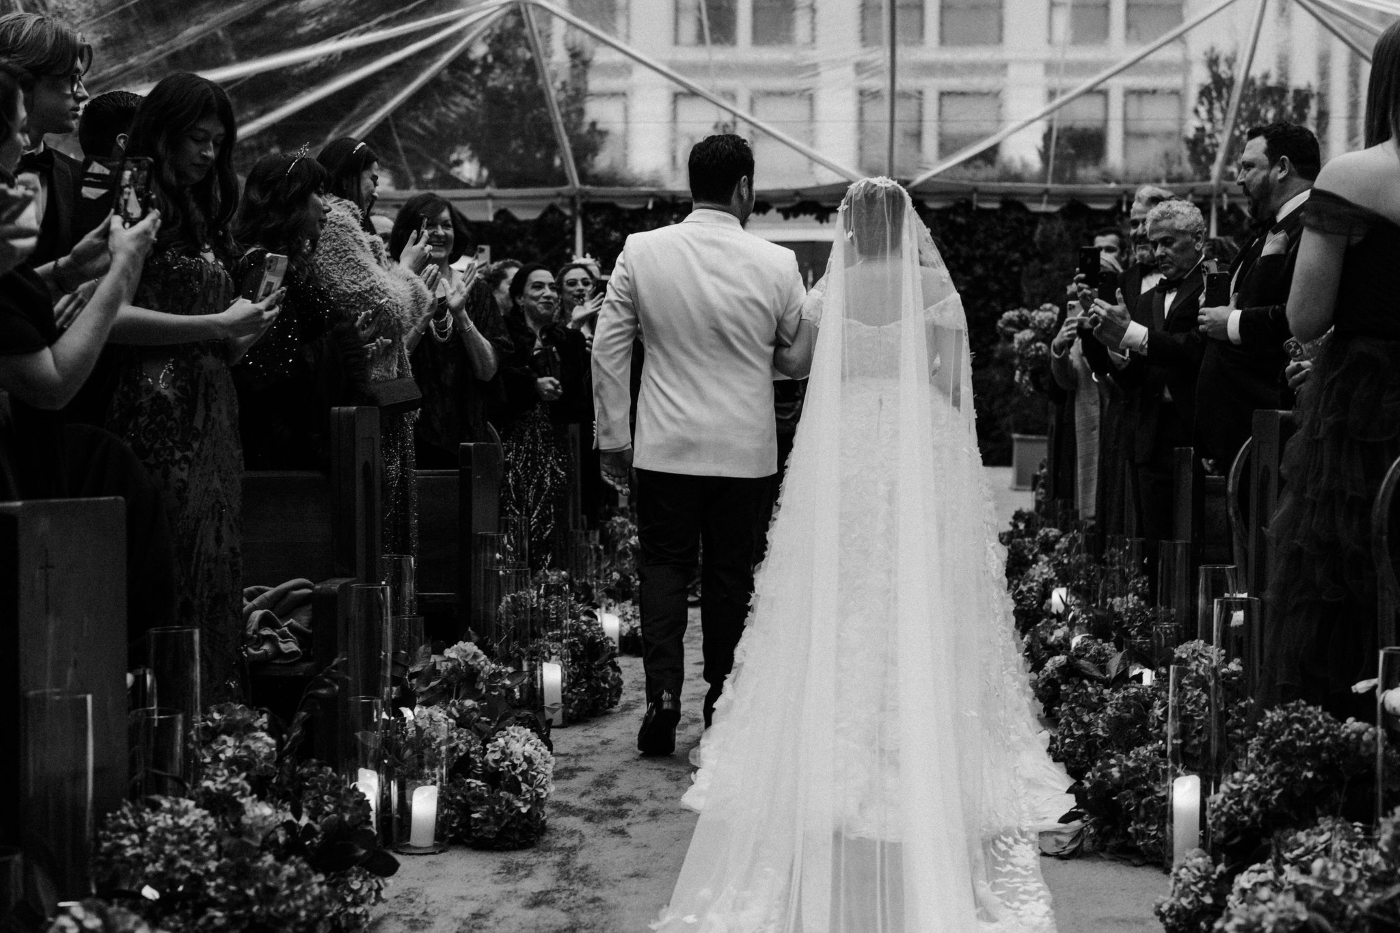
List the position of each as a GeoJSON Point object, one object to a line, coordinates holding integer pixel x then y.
{"type": "Point", "coordinates": [1322, 579]}
{"type": "Point", "coordinates": [177, 408]}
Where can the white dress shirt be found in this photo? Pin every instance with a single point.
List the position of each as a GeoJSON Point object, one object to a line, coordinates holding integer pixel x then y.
{"type": "Point", "coordinates": [1232, 324]}
{"type": "Point", "coordinates": [711, 304]}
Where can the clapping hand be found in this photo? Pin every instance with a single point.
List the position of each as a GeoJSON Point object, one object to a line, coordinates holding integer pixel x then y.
{"type": "Point", "coordinates": [457, 295]}
{"type": "Point", "coordinates": [586, 310]}
{"type": "Point", "coordinates": [431, 276]}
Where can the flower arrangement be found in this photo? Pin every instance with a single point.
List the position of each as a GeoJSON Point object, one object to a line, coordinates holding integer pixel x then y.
{"type": "Point", "coordinates": [262, 843]}
{"type": "Point", "coordinates": [500, 801]}
{"type": "Point", "coordinates": [1027, 335]}
{"type": "Point", "coordinates": [592, 677]}
{"type": "Point", "coordinates": [95, 916]}
{"type": "Point", "coordinates": [619, 570]}
{"type": "Point", "coordinates": [630, 630]}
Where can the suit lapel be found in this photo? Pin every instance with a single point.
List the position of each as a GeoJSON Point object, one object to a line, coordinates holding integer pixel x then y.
{"type": "Point", "coordinates": [1187, 293]}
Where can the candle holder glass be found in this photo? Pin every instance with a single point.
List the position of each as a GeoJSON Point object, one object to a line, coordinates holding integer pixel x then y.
{"type": "Point", "coordinates": [487, 561]}
{"type": "Point", "coordinates": [370, 649]}
{"type": "Point", "coordinates": [1166, 635]}
{"type": "Point", "coordinates": [1387, 733]}
{"type": "Point", "coordinates": [56, 789]}
{"type": "Point", "coordinates": [1133, 562]}
{"type": "Point", "coordinates": [515, 529]}
{"type": "Point", "coordinates": [172, 654]}
{"type": "Point", "coordinates": [515, 625]}
{"type": "Point", "coordinates": [1213, 581]}
{"type": "Point", "coordinates": [1174, 590]}
{"type": "Point", "coordinates": [411, 646]}
{"type": "Point", "coordinates": [420, 772]}
{"type": "Point", "coordinates": [401, 577]}
{"type": "Point", "coordinates": [1186, 792]}
{"type": "Point", "coordinates": [11, 880]}
{"type": "Point", "coordinates": [364, 753]}
{"type": "Point", "coordinates": [157, 748]}
{"type": "Point", "coordinates": [1234, 622]}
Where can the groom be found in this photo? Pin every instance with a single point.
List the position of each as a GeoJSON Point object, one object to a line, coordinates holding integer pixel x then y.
{"type": "Point", "coordinates": [710, 303]}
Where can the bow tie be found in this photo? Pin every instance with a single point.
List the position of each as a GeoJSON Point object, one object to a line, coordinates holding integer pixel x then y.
{"type": "Point", "coordinates": [41, 162]}
{"type": "Point", "coordinates": [1168, 285]}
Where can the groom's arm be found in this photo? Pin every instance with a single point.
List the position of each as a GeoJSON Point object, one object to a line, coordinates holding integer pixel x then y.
{"type": "Point", "coordinates": [796, 335]}
{"type": "Point", "coordinates": [612, 360]}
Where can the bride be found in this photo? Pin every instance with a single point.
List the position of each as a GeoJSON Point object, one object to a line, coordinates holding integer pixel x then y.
{"type": "Point", "coordinates": [875, 765]}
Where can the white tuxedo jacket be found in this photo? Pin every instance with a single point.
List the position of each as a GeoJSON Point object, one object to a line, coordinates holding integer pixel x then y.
{"type": "Point", "coordinates": [711, 303]}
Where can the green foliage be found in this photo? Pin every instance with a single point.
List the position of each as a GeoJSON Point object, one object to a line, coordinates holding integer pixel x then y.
{"type": "Point", "coordinates": [1262, 101]}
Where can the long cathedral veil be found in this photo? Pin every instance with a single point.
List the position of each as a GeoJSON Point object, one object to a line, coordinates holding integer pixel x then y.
{"type": "Point", "coordinates": [874, 764]}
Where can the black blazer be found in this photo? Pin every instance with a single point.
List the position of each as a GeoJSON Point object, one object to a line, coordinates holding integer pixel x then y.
{"type": "Point", "coordinates": [56, 235]}
{"type": "Point", "coordinates": [1238, 379]}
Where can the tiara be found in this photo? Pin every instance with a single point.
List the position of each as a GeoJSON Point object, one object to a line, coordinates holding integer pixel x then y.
{"type": "Point", "coordinates": [298, 156]}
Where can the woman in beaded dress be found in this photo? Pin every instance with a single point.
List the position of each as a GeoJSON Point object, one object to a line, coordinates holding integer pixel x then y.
{"type": "Point", "coordinates": [351, 267]}
{"type": "Point", "coordinates": [304, 366]}
{"type": "Point", "coordinates": [175, 402]}
{"type": "Point", "coordinates": [1322, 579]}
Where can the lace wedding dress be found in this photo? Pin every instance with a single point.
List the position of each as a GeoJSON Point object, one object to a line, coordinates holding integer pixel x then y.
{"type": "Point", "coordinates": [875, 764]}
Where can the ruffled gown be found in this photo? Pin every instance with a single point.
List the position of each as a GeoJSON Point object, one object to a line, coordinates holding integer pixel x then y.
{"type": "Point", "coordinates": [1322, 579]}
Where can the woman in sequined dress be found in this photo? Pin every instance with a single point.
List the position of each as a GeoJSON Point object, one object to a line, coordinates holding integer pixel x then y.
{"type": "Point", "coordinates": [358, 278]}
{"type": "Point", "coordinates": [548, 388]}
{"type": "Point", "coordinates": [304, 365]}
{"type": "Point", "coordinates": [175, 401]}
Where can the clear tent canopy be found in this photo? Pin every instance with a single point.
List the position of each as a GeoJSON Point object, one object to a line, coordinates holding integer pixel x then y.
{"type": "Point", "coordinates": [519, 104]}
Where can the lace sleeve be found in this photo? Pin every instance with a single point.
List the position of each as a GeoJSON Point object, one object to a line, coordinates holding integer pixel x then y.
{"type": "Point", "coordinates": [812, 304]}
{"type": "Point", "coordinates": [1331, 213]}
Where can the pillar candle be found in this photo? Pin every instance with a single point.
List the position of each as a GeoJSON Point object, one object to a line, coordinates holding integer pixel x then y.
{"type": "Point", "coordinates": [553, 674]}
{"type": "Point", "coordinates": [1186, 817]}
{"type": "Point", "coordinates": [612, 627]}
{"type": "Point", "coordinates": [424, 812]}
{"type": "Point", "coordinates": [368, 784]}
{"type": "Point", "coordinates": [1059, 598]}
{"type": "Point", "coordinates": [1390, 701]}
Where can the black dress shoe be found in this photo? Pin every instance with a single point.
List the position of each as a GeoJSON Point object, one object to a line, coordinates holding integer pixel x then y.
{"type": "Point", "coordinates": [658, 733]}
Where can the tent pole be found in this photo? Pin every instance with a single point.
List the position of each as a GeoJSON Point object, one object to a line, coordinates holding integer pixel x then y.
{"type": "Point", "coordinates": [1348, 16]}
{"type": "Point", "coordinates": [1381, 5]}
{"type": "Point", "coordinates": [1335, 30]}
{"type": "Point", "coordinates": [891, 19]}
{"type": "Point", "coordinates": [551, 100]}
{"type": "Point", "coordinates": [1232, 111]}
{"type": "Point", "coordinates": [578, 227]}
{"type": "Point", "coordinates": [675, 77]}
{"type": "Point", "coordinates": [1167, 38]}
{"type": "Point", "coordinates": [367, 125]}
{"type": "Point", "coordinates": [341, 82]}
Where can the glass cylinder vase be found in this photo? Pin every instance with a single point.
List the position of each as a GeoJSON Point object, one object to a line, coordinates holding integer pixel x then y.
{"type": "Point", "coordinates": [1213, 581]}
{"type": "Point", "coordinates": [417, 785]}
{"type": "Point", "coordinates": [11, 882]}
{"type": "Point", "coordinates": [515, 529]}
{"type": "Point", "coordinates": [515, 624]}
{"type": "Point", "coordinates": [1175, 592]}
{"type": "Point", "coordinates": [1234, 628]}
{"type": "Point", "coordinates": [1166, 635]}
{"type": "Point", "coordinates": [369, 652]}
{"type": "Point", "coordinates": [401, 577]}
{"type": "Point", "coordinates": [364, 753]}
{"type": "Point", "coordinates": [487, 559]}
{"type": "Point", "coordinates": [1387, 733]}
{"type": "Point", "coordinates": [56, 789]}
{"type": "Point", "coordinates": [157, 749]}
{"type": "Point", "coordinates": [1186, 791]}
{"type": "Point", "coordinates": [173, 657]}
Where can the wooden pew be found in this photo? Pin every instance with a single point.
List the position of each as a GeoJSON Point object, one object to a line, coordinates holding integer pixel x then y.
{"type": "Point", "coordinates": [325, 527]}
{"type": "Point", "coordinates": [1199, 509]}
{"type": "Point", "coordinates": [1272, 429]}
{"type": "Point", "coordinates": [63, 626]}
{"type": "Point", "coordinates": [1383, 528]}
{"type": "Point", "coordinates": [453, 507]}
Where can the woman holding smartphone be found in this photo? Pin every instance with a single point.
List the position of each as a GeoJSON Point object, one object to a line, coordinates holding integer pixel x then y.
{"type": "Point", "coordinates": [385, 299]}
{"type": "Point", "coordinates": [175, 401]}
{"type": "Point", "coordinates": [457, 344]}
{"type": "Point", "coordinates": [310, 360]}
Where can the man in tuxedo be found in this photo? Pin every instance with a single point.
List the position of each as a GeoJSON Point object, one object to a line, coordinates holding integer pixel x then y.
{"type": "Point", "coordinates": [1158, 358]}
{"type": "Point", "coordinates": [1242, 368]}
{"type": "Point", "coordinates": [52, 58]}
{"type": "Point", "coordinates": [711, 303]}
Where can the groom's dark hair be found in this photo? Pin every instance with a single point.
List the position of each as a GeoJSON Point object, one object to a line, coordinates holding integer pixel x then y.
{"type": "Point", "coordinates": [716, 165]}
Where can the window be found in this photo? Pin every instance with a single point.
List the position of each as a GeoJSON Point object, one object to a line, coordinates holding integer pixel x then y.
{"type": "Point", "coordinates": [782, 22]}
{"type": "Point", "coordinates": [691, 17]}
{"type": "Point", "coordinates": [1081, 137]}
{"type": "Point", "coordinates": [971, 22]}
{"type": "Point", "coordinates": [909, 132]}
{"type": "Point", "coordinates": [608, 112]}
{"type": "Point", "coordinates": [696, 118]}
{"type": "Point", "coordinates": [1082, 22]}
{"type": "Point", "coordinates": [966, 117]}
{"type": "Point", "coordinates": [600, 13]}
{"type": "Point", "coordinates": [777, 166]}
{"type": "Point", "coordinates": [1148, 19]}
{"type": "Point", "coordinates": [909, 25]}
{"type": "Point", "coordinates": [1152, 132]}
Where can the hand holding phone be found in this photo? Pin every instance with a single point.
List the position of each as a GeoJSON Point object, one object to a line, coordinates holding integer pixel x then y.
{"type": "Point", "coordinates": [1217, 290]}
{"type": "Point", "coordinates": [265, 277]}
{"type": "Point", "coordinates": [133, 189]}
{"type": "Point", "coordinates": [1090, 265]}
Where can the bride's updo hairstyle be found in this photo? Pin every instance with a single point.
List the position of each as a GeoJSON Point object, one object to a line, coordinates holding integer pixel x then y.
{"type": "Point", "coordinates": [1383, 92]}
{"type": "Point", "coordinates": [874, 218]}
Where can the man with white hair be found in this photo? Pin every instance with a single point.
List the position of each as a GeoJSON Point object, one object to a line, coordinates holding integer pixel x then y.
{"type": "Point", "coordinates": [1164, 352]}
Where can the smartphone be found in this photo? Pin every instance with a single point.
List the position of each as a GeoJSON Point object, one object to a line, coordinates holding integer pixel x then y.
{"type": "Point", "coordinates": [13, 203]}
{"type": "Point", "coordinates": [134, 189]}
{"type": "Point", "coordinates": [1108, 285]}
{"type": "Point", "coordinates": [1090, 265]}
{"type": "Point", "coordinates": [1296, 349]}
{"type": "Point", "coordinates": [422, 229]}
{"type": "Point", "coordinates": [1217, 290]}
{"type": "Point", "coordinates": [265, 277]}
{"type": "Point", "coordinates": [483, 255]}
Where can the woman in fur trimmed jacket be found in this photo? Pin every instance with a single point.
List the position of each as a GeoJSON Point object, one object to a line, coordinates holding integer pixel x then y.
{"type": "Point", "coordinates": [356, 273]}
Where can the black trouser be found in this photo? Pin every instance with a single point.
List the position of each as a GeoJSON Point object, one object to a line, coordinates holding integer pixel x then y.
{"type": "Point", "coordinates": [675, 513]}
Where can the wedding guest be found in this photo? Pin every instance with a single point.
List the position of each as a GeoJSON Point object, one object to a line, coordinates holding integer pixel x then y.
{"type": "Point", "coordinates": [579, 299]}
{"type": "Point", "coordinates": [104, 126]}
{"type": "Point", "coordinates": [1322, 578]}
{"type": "Point", "coordinates": [1242, 369]}
{"type": "Point", "coordinates": [455, 348]}
{"type": "Point", "coordinates": [41, 367]}
{"type": "Point", "coordinates": [1163, 357]}
{"type": "Point", "coordinates": [351, 265]}
{"type": "Point", "coordinates": [548, 389]}
{"type": "Point", "coordinates": [498, 280]}
{"type": "Point", "coordinates": [175, 401]}
{"type": "Point", "coordinates": [308, 361]}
